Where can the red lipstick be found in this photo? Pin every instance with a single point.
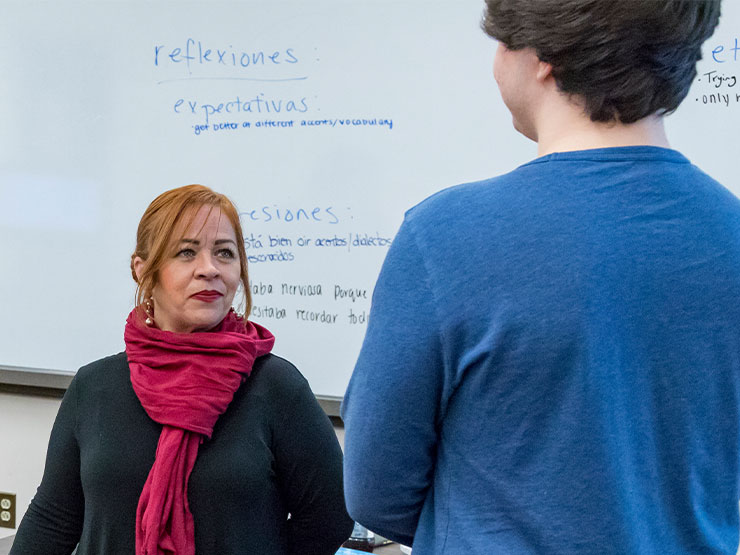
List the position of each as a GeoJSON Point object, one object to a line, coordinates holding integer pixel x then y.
{"type": "Point", "coordinates": [207, 296]}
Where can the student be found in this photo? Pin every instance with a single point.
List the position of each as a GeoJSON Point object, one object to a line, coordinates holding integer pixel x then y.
{"type": "Point", "coordinates": [552, 362]}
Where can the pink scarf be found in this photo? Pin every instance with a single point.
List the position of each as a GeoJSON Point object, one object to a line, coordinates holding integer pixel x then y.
{"type": "Point", "coordinates": [184, 381]}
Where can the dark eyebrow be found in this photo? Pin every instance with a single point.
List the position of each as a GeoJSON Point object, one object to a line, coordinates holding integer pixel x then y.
{"type": "Point", "coordinates": [197, 243]}
{"type": "Point", "coordinates": [222, 241]}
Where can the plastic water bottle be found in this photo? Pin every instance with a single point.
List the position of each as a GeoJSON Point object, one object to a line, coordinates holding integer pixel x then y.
{"type": "Point", "coordinates": [361, 539]}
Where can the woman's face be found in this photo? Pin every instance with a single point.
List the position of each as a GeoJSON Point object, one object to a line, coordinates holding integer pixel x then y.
{"type": "Point", "coordinates": [196, 286]}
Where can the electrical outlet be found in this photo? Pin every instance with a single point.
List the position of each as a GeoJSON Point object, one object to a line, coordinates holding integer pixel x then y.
{"type": "Point", "coordinates": [7, 510]}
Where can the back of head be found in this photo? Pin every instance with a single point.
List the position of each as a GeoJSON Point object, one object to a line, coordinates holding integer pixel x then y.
{"type": "Point", "coordinates": [624, 59]}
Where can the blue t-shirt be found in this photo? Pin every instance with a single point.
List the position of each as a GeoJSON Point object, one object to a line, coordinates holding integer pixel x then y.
{"type": "Point", "coordinates": [552, 364]}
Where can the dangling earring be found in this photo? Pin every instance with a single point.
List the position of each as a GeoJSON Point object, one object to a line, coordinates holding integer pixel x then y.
{"type": "Point", "coordinates": [148, 310]}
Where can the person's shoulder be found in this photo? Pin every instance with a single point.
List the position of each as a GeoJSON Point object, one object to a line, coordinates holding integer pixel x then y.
{"type": "Point", "coordinates": [277, 386]}
{"type": "Point", "coordinates": [450, 197]}
{"type": "Point", "coordinates": [103, 370]}
{"type": "Point", "coordinates": [117, 361]}
{"type": "Point", "coordinates": [274, 372]}
{"type": "Point", "coordinates": [707, 185]}
{"type": "Point", "coordinates": [452, 202]}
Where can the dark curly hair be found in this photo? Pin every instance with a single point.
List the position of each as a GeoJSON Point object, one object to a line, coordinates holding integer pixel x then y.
{"type": "Point", "coordinates": [626, 59]}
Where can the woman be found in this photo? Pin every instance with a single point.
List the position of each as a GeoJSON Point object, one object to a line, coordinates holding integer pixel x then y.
{"type": "Point", "coordinates": [246, 461]}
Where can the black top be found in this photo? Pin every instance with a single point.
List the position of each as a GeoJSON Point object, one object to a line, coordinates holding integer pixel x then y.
{"type": "Point", "coordinates": [273, 454]}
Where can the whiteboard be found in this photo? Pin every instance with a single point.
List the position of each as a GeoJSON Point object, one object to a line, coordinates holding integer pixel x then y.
{"type": "Point", "coordinates": [323, 121]}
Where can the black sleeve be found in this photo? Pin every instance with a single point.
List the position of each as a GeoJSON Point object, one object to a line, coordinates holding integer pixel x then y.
{"type": "Point", "coordinates": [309, 469]}
{"type": "Point", "coordinates": [53, 522]}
